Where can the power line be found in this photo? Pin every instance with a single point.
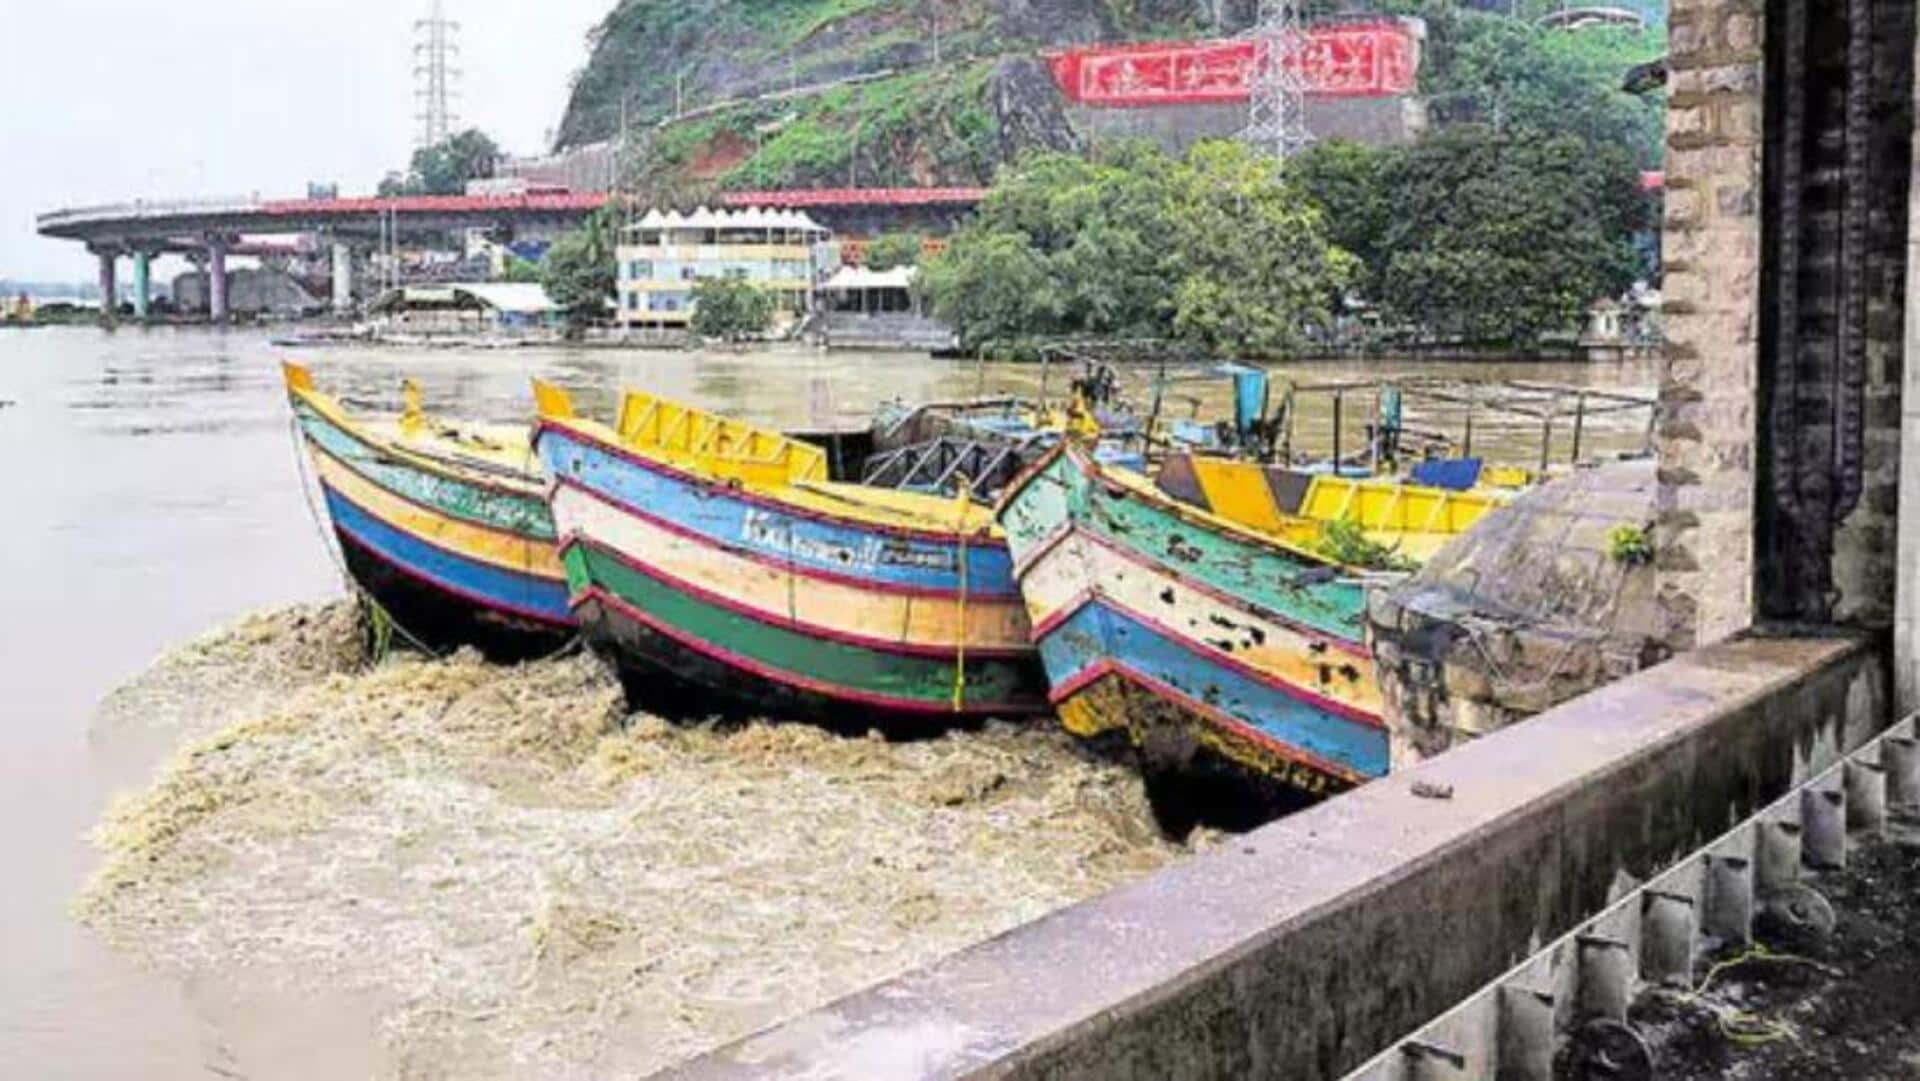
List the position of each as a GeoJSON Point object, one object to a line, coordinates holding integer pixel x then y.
{"type": "Point", "coordinates": [434, 45]}
{"type": "Point", "coordinates": [1277, 105]}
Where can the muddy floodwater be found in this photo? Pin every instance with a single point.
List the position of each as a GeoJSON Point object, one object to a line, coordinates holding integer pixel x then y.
{"type": "Point", "coordinates": [238, 847]}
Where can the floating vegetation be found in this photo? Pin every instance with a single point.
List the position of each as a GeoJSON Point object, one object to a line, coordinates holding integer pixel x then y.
{"type": "Point", "coordinates": [528, 882]}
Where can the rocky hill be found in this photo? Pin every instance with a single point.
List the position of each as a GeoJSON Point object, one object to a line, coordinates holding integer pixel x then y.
{"type": "Point", "coordinates": [870, 92]}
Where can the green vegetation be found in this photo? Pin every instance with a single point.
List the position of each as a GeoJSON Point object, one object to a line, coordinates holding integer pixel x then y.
{"type": "Point", "coordinates": [580, 272]}
{"type": "Point", "coordinates": [1502, 238]}
{"type": "Point", "coordinates": [892, 250]}
{"type": "Point", "coordinates": [1345, 543]}
{"type": "Point", "coordinates": [445, 168]}
{"type": "Point", "coordinates": [1630, 545]}
{"type": "Point", "coordinates": [520, 270]}
{"type": "Point", "coordinates": [731, 309]}
{"type": "Point", "coordinates": [1516, 78]}
{"type": "Point", "coordinates": [1141, 244]}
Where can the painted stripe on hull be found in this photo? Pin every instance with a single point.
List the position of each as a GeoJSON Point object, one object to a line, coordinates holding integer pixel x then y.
{"type": "Point", "coordinates": [999, 686]}
{"type": "Point", "coordinates": [479, 583]}
{"type": "Point", "coordinates": [507, 551]}
{"type": "Point", "coordinates": [1083, 570]}
{"type": "Point", "coordinates": [893, 622]}
{"type": "Point", "coordinates": [1059, 494]}
{"type": "Point", "coordinates": [482, 503]}
{"type": "Point", "coordinates": [758, 525]}
{"type": "Point", "coordinates": [1100, 635]}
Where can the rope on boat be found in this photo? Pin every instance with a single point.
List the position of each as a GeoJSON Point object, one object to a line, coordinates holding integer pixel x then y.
{"type": "Point", "coordinates": [380, 622]}
{"type": "Point", "coordinates": [965, 488]}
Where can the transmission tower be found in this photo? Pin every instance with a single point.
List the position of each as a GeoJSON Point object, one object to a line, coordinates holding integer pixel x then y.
{"type": "Point", "coordinates": [1277, 113]}
{"type": "Point", "coordinates": [434, 47]}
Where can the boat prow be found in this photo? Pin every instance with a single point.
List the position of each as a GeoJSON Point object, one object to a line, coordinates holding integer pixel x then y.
{"type": "Point", "coordinates": [443, 525]}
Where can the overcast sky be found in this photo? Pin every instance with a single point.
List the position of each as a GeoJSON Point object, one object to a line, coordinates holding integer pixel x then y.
{"type": "Point", "coordinates": [109, 100]}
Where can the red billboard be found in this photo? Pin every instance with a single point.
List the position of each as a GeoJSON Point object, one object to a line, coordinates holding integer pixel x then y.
{"type": "Point", "coordinates": [1372, 59]}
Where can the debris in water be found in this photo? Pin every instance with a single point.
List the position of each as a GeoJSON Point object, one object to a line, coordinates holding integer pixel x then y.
{"type": "Point", "coordinates": [534, 884]}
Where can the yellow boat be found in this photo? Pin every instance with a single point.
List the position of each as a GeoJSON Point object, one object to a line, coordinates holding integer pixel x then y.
{"type": "Point", "coordinates": [1406, 520]}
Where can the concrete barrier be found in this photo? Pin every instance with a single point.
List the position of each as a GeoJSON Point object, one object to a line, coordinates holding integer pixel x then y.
{"type": "Point", "coordinates": [1300, 950]}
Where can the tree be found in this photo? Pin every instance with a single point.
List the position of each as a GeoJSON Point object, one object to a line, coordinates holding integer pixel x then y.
{"type": "Point", "coordinates": [522, 270]}
{"type": "Point", "coordinates": [731, 309]}
{"type": "Point", "coordinates": [1500, 237]}
{"type": "Point", "coordinates": [1258, 269]}
{"type": "Point", "coordinates": [892, 250]}
{"type": "Point", "coordinates": [580, 272]}
{"type": "Point", "coordinates": [1218, 248]}
{"type": "Point", "coordinates": [445, 167]}
{"type": "Point", "coordinates": [1345, 180]}
{"type": "Point", "coordinates": [992, 287]}
{"type": "Point", "coordinates": [1515, 76]}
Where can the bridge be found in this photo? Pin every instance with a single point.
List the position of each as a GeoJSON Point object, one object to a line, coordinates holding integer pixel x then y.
{"type": "Point", "coordinates": [208, 231]}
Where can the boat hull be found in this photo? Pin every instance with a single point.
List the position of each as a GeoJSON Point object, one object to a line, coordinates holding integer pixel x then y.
{"type": "Point", "coordinates": [1232, 669]}
{"type": "Point", "coordinates": [455, 560]}
{"type": "Point", "coordinates": [715, 600]}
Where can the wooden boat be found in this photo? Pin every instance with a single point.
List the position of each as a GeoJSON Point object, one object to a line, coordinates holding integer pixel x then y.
{"type": "Point", "coordinates": [445, 526]}
{"type": "Point", "coordinates": [1407, 521]}
{"type": "Point", "coordinates": [1228, 660]}
{"type": "Point", "coordinates": [726, 573]}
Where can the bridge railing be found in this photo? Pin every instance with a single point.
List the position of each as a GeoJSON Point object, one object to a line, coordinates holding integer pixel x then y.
{"type": "Point", "coordinates": [149, 208]}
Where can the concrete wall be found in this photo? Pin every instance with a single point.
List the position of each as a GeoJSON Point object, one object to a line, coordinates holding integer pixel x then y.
{"type": "Point", "coordinates": [1302, 949]}
{"type": "Point", "coordinates": [250, 291]}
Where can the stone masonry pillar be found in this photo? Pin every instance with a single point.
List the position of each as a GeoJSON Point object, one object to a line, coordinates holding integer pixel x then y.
{"type": "Point", "coordinates": [109, 298]}
{"type": "Point", "coordinates": [1906, 617]}
{"type": "Point", "coordinates": [1709, 378]}
{"type": "Point", "coordinates": [342, 278]}
{"type": "Point", "coordinates": [217, 279]}
{"type": "Point", "coordinates": [142, 283]}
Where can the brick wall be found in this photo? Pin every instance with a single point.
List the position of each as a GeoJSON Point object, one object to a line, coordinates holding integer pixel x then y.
{"type": "Point", "coordinates": [1790, 137]}
{"type": "Point", "coordinates": [1709, 378]}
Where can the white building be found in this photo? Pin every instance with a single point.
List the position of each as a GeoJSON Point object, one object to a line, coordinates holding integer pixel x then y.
{"type": "Point", "coordinates": [662, 256]}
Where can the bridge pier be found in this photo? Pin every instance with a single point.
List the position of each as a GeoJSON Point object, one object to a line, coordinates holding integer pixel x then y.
{"type": "Point", "coordinates": [109, 299]}
{"type": "Point", "coordinates": [142, 283]}
{"type": "Point", "coordinates": [342, 278]}
{"type": "Point", "coordinates": [217, 279]}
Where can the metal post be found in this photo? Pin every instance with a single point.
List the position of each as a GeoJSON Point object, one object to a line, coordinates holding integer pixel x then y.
{"type": "Point", "coordinates": [1546, 441]}
{"type": "Point", "coordinates": [1339, 397]}
{"type": "Point", "coordinates": [1579, 424]}
{"type": "Point", "coordinates": [1473, 398]}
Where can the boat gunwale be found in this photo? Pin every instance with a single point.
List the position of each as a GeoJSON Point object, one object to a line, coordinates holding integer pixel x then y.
{"type": "Point", "coordinates": [1353, 646]}
{"type": "Point", "coordinates": [330, 410]}
{"type": "Point", "coordinates": [1191, 515]}
{"type": "Point", "coordinates": [722, 655]}
{"type": "Point", "coordinates": [984, 536]}
{"type": "Point", "coordinates": [584, 541]}
{"type": "Point", "coordinates": [621, 505]}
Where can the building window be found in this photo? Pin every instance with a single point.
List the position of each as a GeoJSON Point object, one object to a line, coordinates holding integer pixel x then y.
{"type": "Point", "coordinates": [688, 273]}
{"type": "Point", "coordinates": [640, 268]}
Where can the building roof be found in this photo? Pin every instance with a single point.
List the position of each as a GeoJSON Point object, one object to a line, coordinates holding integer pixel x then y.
{"type": "Point", "coordinates": [850, 278]}
{"type": "Point", "coordinates": [747, 218]}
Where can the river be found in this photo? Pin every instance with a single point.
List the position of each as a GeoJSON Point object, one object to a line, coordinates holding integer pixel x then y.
{"type": "Point", "coordinates": [154, 496]}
